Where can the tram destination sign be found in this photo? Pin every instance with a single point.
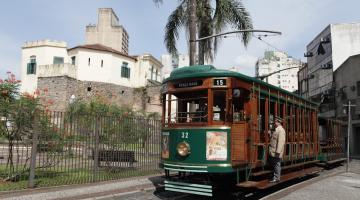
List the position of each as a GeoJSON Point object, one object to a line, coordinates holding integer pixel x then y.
{"type": "Point", "coordinates": [186, 84]}
{"type": "Point", "coordinates": [219, 82]}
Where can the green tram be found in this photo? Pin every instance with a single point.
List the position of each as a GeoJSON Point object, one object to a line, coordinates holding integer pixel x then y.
{"type": "Point", "coordinates": [215, 131]}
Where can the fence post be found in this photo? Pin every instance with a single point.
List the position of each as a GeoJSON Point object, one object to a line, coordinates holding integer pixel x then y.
{"type": "Point", "coordinates": [31, 181]}
{"type": "Point", "coordinates": [96, 149]}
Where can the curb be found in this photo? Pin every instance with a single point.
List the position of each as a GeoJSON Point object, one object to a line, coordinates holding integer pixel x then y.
{"type": "Point", "coordinates": [89, 190]}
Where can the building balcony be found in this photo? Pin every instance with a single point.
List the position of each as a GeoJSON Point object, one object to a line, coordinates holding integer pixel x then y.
{"type": "Point", "coordinates": [53, 70]}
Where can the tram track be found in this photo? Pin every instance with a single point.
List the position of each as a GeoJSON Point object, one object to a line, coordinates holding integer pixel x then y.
{"type": "Point", "coordinates": [272, 193]}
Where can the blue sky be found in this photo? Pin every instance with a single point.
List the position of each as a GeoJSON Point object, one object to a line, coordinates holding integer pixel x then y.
{"type": "Point", "coordinates": [299, 21]}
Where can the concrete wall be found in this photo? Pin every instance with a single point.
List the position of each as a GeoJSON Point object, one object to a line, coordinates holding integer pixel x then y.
{"type": "Point", "coordinates": [345, 42]}
{"type": "Point", "coordinates": [347, 82]}
{"type": "Point", "coordinates": [61, 88]}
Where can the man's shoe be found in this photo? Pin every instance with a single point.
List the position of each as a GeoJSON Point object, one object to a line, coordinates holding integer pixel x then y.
{"type": "Point", "coordinates": [274, 180]}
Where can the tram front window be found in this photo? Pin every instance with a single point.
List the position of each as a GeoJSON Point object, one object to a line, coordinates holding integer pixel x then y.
{"type": "Point", "coordinates": [189, 107]}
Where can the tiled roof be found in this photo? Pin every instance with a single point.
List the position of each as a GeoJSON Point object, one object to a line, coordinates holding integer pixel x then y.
{"type": "Point", "coordinates": [99, 47]}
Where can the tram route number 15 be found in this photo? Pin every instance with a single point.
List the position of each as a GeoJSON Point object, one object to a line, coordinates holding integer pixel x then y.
{"type": "Point", "coordinates": [184, 135]}
{"type": "Point", "coordinates": [219, 82]}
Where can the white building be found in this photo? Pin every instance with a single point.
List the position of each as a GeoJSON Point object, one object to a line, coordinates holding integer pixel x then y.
{"type": "Point", "coordinates": [108, 32]}
{"type": "Point", "coordinates": [274, 61]}
{"type": "Point", "coordinates": [326, 52]}
{"type": "Point", "coordinates": [40, 53]}
{"type": "Point", "coordinates": [85, 63]}
{"type": "Point", "coordinates": [103, 59]}
{"type": "Point", "coordinates": [171, 62]}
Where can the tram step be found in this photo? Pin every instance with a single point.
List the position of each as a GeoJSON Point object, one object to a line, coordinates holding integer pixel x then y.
{"type": "Point", "coordinates": [335, 161]}
{"type": "Point", "coordinates": [263, 184]}
{"type": "Point", "coordinates": [265, 172]}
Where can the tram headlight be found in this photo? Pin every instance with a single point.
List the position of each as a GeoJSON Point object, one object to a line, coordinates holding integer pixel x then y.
{"type": "Point", "coordinates": [183, 149]}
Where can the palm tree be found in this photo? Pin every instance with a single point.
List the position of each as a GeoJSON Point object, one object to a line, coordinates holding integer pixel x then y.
{"type": "Point", "coordinates": [210, 20]}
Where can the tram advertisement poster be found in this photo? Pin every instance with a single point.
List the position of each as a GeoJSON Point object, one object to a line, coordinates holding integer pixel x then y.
{"type": "Point", "coordinates": [216, 145]}
{"type": "Point", "coordinates": [165, 145]}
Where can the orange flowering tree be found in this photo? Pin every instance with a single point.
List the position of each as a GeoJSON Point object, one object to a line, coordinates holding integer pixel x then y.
{"type": "Point", "coordinates": [18, 115]}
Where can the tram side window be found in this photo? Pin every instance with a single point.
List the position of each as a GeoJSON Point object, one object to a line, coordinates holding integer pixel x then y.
{"type": "Point", "coordinates": [272, 115]}
{"type": "Point", "coordinates": [238, 102]}
{"type": "Point", "coordinates": [219, 105]}
{"type": "Point", "coordinates": [262, 114]}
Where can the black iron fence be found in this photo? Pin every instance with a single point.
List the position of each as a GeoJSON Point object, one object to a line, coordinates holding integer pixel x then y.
{"type": "Point", "coordinates": [61, 149]}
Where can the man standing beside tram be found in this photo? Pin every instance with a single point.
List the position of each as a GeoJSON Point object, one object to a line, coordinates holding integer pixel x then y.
{"type": "Point", "coordinates": [276, 149]}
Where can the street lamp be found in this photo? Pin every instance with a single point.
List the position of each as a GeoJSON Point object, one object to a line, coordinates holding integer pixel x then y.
{"type": "Point", "coordinates": [349, 105]}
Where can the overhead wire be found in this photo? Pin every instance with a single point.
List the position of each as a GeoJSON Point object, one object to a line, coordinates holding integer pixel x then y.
{"type": "Point", "coordinates": [260, 37]}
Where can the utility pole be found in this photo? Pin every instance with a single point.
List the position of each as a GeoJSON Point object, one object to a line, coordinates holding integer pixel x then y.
{"type": "Point", "coordinates": [348, 134]}
{"type": "Point", "coordinates": [192, 32]}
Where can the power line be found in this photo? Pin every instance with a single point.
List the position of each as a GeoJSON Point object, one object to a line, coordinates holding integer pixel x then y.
{"type": "Point", "coordinates": [260, 37]}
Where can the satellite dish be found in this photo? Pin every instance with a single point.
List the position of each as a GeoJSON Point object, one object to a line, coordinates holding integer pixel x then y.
{"type": "Point", "coordinates": [236, 93]}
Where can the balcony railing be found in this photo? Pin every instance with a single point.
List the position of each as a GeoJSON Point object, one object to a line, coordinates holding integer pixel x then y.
{"type": "Point", "coordinates": [65, 69]}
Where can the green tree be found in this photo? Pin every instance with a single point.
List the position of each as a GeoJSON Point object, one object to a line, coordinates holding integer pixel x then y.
{"type": "Point", "coordinates": [209, 20]}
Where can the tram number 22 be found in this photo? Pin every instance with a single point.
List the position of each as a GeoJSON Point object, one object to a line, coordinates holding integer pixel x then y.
{"type": "Point", "coordinates": [184, 135]}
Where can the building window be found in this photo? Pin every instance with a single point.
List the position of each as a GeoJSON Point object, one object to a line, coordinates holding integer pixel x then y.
{"type": "Point", "coordinates": [31, 66]}
{"type": "Point", "coordinates": [156, 75]}
{"type": "Point", "coordinates": [151, 72]}
{"type": "Point", "coordinates": [89, 62]}
{"type": "Point", "coordinates": [58, 60]}
{"type": "Point", "coordinates": [102, 63]}
{"type": "Point", "coordinates": [125, 70]}
{"type": "Point", "coordinates": [73, 59]}
{"type": "Point", "coordinates": [358, 88]}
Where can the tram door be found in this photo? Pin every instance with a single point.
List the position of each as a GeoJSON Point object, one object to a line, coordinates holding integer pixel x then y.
{"type": "Point", "coordinates": [239, 127]}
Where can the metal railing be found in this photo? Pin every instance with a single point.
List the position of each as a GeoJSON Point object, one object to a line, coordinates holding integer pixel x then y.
{"type": "Point", "coordinates": [63, 149]}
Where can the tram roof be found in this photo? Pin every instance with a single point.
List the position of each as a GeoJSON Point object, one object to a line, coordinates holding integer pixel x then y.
{"type": "Point", "coordinates": [198, 71]}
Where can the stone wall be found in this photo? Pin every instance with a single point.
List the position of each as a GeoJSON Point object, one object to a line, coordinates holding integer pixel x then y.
{"type": "Point", "coordinates": [59, 90]}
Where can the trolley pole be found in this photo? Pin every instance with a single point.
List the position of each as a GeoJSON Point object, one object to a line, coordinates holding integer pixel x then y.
{"type": "Point", "coordinates": [348, 135]}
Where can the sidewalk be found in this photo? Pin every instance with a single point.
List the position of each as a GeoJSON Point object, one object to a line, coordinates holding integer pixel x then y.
{"type": "Point", "coordinates": [345, 186]}
{"type": "Point", "coordinates": [336, 185]}
{"type": "Point", "coordinates": [93, 190]}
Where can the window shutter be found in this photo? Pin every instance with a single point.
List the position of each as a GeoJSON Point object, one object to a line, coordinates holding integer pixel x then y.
{"type": "Point", "coordinates": [28, 68]}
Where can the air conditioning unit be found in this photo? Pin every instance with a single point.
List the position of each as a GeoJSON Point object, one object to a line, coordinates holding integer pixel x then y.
{"type": "Point", "coordinates": [327, 66]}
{"type": "Point", "coordinates": [310, 76]}
{"type": "Point", "coordinates": [325, 40]}
{"type": "Point", "coordinates": [308, 54]}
